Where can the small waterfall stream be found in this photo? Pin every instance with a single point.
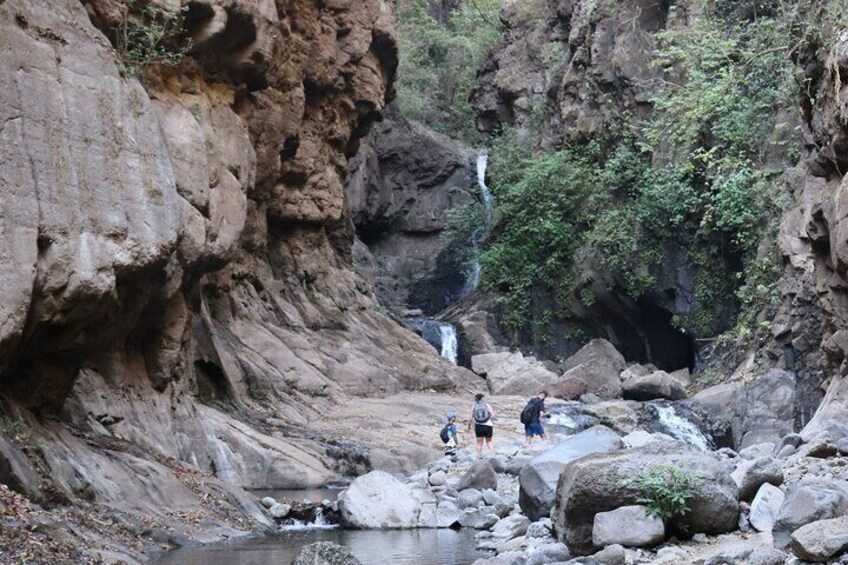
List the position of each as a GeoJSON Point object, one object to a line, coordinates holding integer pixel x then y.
{"type": "Point", "coordinates": [440, 335]}
{"type": "Point", "coordinates": [482, 232]}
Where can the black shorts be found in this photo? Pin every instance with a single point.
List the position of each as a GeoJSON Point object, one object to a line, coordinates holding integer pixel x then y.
{"type": "Point", "coordinates": [483, 431]}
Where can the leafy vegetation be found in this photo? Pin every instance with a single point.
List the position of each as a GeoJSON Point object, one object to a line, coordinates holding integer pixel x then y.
{"type": "Point", "coordinates": [702, 176]}
{"type": "Point", "coordinates": [665, 491]}
{"type": "Point", "coordinates": [151, 37]}
{"type": "Point", "coordinates": [439, 60]}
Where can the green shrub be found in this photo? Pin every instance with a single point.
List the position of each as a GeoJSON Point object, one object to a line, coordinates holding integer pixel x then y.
{"type": "Point", "coordinates": [665, 491]}
{"type": "Point", "coordinates": [152, 37]}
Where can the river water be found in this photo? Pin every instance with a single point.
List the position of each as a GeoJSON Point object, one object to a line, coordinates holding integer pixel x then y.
{"type": "Point", "coordinates": [377, 547]}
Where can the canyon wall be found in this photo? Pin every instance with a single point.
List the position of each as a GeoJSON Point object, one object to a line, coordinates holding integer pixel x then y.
{"type": "Point", "coordinates": [176, 248]}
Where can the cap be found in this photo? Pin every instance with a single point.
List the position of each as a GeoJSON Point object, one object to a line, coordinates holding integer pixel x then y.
{"type": "Point", "coordinates": [451, 416]}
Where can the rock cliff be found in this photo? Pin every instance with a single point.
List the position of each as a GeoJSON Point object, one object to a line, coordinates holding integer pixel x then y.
{"type": "Point", "coordinates": [176, 250]}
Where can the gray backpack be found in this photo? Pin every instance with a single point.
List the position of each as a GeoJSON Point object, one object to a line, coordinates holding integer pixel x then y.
{"type": "Point", "coordinates": [481, 412]}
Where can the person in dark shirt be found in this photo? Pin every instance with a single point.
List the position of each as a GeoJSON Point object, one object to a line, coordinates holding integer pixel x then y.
{"type": "Point", "coordinates": [534, 428]}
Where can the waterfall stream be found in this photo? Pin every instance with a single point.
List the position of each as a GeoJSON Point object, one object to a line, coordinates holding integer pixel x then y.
{"type": "Point", "coordinates": [440, 335]}
{"type": "Point", "coordinates": [479, 235]}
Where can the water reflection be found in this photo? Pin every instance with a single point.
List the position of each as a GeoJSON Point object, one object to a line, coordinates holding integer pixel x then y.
{"type": "Point", "coordinates": [399, 547]}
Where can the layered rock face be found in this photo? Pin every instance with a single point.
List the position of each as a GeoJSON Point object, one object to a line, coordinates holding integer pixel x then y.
{"type": "Point", "coordinates": [176, 250]}
{"type": "Point", "coordinates": [403, 181]}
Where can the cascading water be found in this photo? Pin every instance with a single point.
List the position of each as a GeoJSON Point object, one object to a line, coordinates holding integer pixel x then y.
{"type": "Point", "coordinates": [680, 428]}
{"type": "Point", "coordinates": [438, 334]}
{"type": "Point", "coordinates": [479, 235]}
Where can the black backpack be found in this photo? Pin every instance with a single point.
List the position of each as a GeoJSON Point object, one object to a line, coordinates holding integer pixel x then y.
{"type": "Point", "coordinates": [444, 434]}
{"type": "Point", "coordinates": [529, 411]}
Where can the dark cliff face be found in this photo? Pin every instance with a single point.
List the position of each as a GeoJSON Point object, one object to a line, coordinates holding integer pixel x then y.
{"type": "Point", "coordinates": [176, 258]}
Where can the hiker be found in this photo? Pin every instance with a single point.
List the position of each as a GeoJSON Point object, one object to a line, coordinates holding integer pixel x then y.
{"type": "Point", "coordinates": [448, 435]}
{"type": "Point", "coordinates": [531, 417]}
{"type": "Point", "coordinates": [481, 416]}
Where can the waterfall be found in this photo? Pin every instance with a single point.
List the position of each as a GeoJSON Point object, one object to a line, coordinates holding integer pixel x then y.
{"type": "Point", "coordinates": [681, 428]}
{"type": "Point", "coordinates": [449, 344]}
{"type": "Point", "coordinates": [319, 522]}
{"type": "Point", "coordinates": [479, 235]}
{"type": "Point", "coordinates": [438, 334]}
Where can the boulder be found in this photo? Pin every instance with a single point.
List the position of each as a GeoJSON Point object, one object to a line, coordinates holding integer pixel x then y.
{"type": "Point", "coordinates": [599, 365]}
{"type": "Point", "coordinates": [377, 500]}
{"type": "Point", "coordinates": [808, 501]}
{"type": "Point", "coordinates": [538, 480]}
{"type": "Point", "coordinates": [750, 475]}
{"type": "Point", "coordinates": [765, 507]}
{"type": "Point", "coordinates": [542, 528]}
{"type": "Point", "coordinates": [639, 438]}
{"type": "Point", "coordinates": [767, 409]}
{"type": "Point", "coordinates": [480, 476]}
{"type": "Point", "coordinates": [469, 498]}
{"type": "Point", "coordinates": [547, 553]}
{"type": "Point", "coordinates": [630, 526]}
{"type": "Point", "coordinates": [492, 498]}
{"type": "Point", "coordinates": [658, 384]}
{"type": "Point", "coordinates": [438, 479]}
{"type": "Point", "coordinates": [510, 527]}
{"type": "Point", "coordinates": [512, 373]}
{"type": "Point", "coordinates": [599, 483]}
{"type": "Point", "coordinates": [611, 555]}
{"type": "Point", "coordinates": [821, 540]}
{"type": "Point", "coordinates": [268, 502]}
{"type": "Point", "coordinates": [568, 387]}
{"type": "Point", "coordinates": [478, 518]}
{"type": "Point", "coordinates": [447, 514]}
{"type": "Point", "coordinates": [325, 553]}
{"type": "Point", "coordinates": [757, 451]}
{"type": "Point", "coordinates": [717, 405]}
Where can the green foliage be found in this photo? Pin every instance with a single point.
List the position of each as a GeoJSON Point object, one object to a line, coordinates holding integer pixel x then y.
{"type": "Point", "coordinates": [15, 429]}
{"type": "Point", "coordinates": [462, 226]}
{"type": "Point", "coordinates": [149, 38]}
{"type": "Point", "coordinates": [439, 61]}
{"type": "Point", "coordinates": [665, 491]}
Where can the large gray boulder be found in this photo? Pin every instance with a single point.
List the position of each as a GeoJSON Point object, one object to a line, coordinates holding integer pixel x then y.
{"type": "Point", "coordinates": [821, 541]}
{"type": "Point", "coordinates": [808, 501]}
{"type": "Point", "coordinates": [759, 411]}
{"type": "Point", "coordinates": [598, 483]}
{"type": "Point", "coordinates": [767, 409]}
{"type": "Point", "coordinates": [538, 480]}
{"type": "Point", "coordinates": [658, 384]}
{"type": "Point", "coordinates": [377, 500]}
{"type": "Point", "coordinates": [325, 553]}
{"type": "Point", "coordinates": [750, 475]}
{"type": "Point", "coordinates": [512, 373]}
{"type": "Point", "coordinates": [599, 365]}
{"type": "Point", "coordinates": [630, 526]}
{"type": "Point", "coordinates": [480, 476]}
{"type": "Point", "coordinates": [766, 507]}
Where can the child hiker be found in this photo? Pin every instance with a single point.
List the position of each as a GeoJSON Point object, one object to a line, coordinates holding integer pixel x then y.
{"type": "Point", "coordinates": [448, 435]}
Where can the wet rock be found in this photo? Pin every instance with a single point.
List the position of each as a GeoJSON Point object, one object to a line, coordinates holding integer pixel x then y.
{"type": "Point", "coordinates": [629, 526]}
{"type": "Point", "coordinates": [639, 438]}
{"type": "Point", "coordinates": [376, 501]}
{"type": "Point", "coordinates": [765, 507]}
{"type": "Point", "coordinates": [822, 540]}
{"type": "Point", "coordinates": [469, 498]}
{"type": "Point", "coordinates": [279, 511]}
{"type": "Point", "coordinates": [480, 476]}
{"type": "Point", "coordinates": [598, 483]}
{"type": "Point", "coordinates": [268, 502]}
{"type": "Point", "coordinates": [325, 553]}
{"type": "Point", "coordinates": [656, 385]}
{"type": "Point", "coordinates": [538, 480]}
{"type": "Point", "coordinates": [750, 475]}
{"type": "Point", "coordinates": [808, 501]}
